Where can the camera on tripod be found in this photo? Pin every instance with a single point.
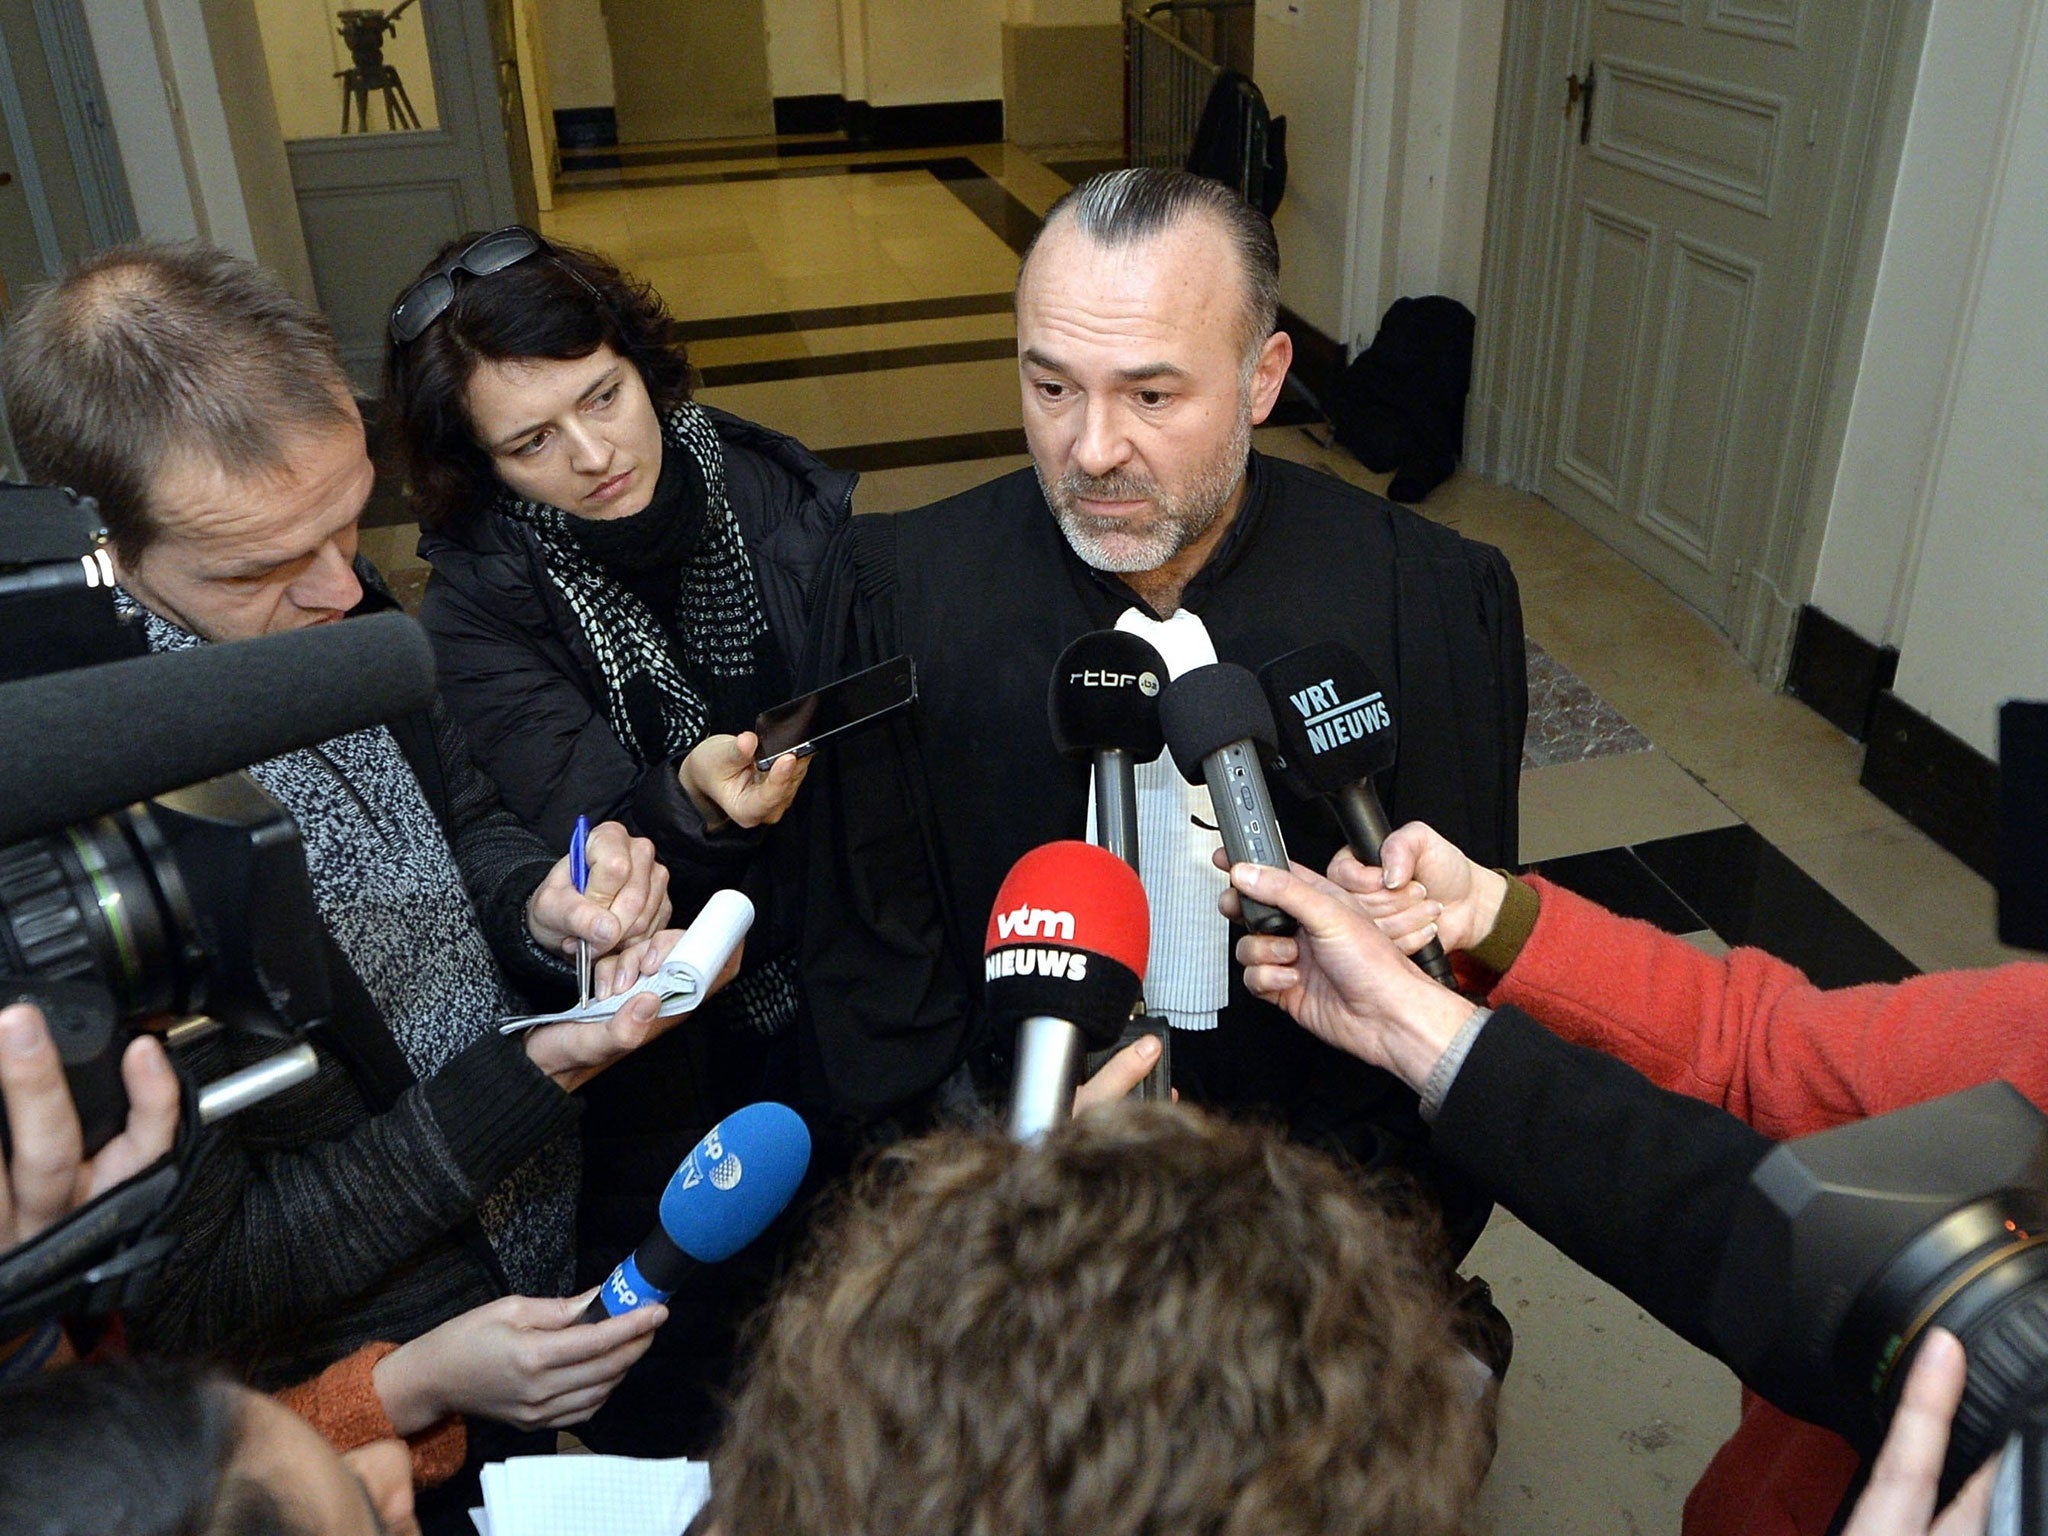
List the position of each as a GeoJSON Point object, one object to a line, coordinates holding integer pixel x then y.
{"type": "Point", "coordinates": [184, 914]}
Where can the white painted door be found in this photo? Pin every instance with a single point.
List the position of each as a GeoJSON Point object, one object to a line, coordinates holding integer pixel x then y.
{"type": "Point", "coordinates": [1689, 233]}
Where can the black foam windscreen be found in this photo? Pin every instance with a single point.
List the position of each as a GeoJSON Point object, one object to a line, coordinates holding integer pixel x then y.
{"type": "Point", "coordinates": [1206, 709]}
{"type": "Point", "coordinates": [1335, 725]}
{"type": "Point", "coordinates": [89, 741]}
{"type": "Point", "coordinates": [1105, 697]}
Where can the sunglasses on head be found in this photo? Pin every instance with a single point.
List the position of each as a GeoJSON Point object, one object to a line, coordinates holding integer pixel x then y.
{"type": "Point", "coordinates": [428, 299]}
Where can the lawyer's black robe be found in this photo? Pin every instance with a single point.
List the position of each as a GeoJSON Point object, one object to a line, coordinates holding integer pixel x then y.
{"type": "Point", "coordinates": [912, 827]}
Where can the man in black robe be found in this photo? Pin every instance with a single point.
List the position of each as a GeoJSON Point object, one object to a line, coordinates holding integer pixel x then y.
{"type": "Point", "coordinates": [1145, 315]}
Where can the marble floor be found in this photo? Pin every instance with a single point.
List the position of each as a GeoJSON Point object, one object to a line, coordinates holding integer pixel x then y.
{"type": "Point", "coordinates": [860, 300]}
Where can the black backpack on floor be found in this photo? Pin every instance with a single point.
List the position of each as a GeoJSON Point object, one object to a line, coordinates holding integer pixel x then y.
{"type": "Point", "coordinates": [1400, 406]}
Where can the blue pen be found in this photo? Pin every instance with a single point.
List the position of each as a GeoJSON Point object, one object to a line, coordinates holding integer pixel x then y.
{"type": "Point", "coordinates": [579, 871]}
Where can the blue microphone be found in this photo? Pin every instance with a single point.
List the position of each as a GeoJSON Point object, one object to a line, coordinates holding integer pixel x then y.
{"type": "Point", "coordinates": [735, 1181]}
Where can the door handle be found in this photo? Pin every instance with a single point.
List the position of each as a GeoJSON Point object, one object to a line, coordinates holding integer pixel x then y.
{"type": "Point", "coordinates": [1579, 94]}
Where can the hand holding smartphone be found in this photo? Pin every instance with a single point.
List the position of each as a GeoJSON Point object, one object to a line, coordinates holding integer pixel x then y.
{"type": "Point", "coordinates": [799, 726]}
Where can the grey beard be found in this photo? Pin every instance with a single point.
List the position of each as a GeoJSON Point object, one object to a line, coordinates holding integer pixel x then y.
{"type": "Point", "coordinates": [1118, 545]}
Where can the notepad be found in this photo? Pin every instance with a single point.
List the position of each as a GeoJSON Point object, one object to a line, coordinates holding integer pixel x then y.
{"type": "Point", "coordinates": [686, 976]}
{"type": "Point", "coordinates": [590, 1496]}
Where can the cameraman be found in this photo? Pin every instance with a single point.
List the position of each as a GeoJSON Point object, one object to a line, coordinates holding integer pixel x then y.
{"type": "Point", "coordinates": [430, 1167]}
{"type": "Point", "coordinates": [1544, 1122]}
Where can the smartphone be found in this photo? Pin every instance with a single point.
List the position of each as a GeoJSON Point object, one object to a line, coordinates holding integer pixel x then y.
{"type": "Point", "coordinates": [800, 725]}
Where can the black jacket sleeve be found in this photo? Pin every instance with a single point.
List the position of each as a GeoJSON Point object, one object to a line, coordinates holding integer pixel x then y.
{"type": "Point", "coordinates": [889, 1015]}
{"type": "Point", "coordinates": [551, 748]}
{"type": "Point", "coordinates": [1638, 1185]}
{"type": "Point", "coordinates": [294, 1208]}
{"type": "Point", "coordinates": [502, 863]}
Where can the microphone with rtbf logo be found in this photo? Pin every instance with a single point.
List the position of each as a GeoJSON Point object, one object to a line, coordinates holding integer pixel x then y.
{"type": "Point", "coordinates": [1336, 731]}
{"type": "Point", "coordinates": [734, 1182]}
{"type": "Point", "coordinates": [1064, 962]}
{"type": "Point", "coordinates": [1104, 707]}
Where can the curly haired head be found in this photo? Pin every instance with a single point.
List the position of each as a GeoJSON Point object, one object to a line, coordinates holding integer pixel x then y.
{"type": "Point", "coordinates": [1154, 1322]}
{"type": "Point", "coordinates": [559, 303]}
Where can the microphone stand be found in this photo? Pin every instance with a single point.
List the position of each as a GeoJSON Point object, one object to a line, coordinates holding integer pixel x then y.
{"type": "Point", "coordinates": [1364, 821]}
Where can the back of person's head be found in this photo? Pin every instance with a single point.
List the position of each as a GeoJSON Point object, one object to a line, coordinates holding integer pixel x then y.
{"type": "Point", "coordinates": [1128, 207]}
{"type": "Point", "coordinates": [559, 303]}
{"type": "Point", "coordinates": [129, 1450]}
{"type": "Point", "coordinates": [1154, 1322]}
{"type": "Point", "coordinates": [148, 351]}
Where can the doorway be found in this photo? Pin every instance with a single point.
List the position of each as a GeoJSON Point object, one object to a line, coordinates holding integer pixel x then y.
{"type": "Point", "coordinates": [1671, 271]}
{"type": "Point", "coordinates": [696, 70]}
{"type": "Point", "coordinates": [398, 125]}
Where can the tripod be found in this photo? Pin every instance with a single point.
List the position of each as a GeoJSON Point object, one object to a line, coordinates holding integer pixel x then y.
{"type": "Point", "coordinates": [363, 32]}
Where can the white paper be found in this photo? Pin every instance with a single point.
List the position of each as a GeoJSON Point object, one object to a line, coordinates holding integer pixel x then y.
{"type": "Point", "coordinates": [578, 1495]}
{"type": "Point", "coordinates": [685, 977]}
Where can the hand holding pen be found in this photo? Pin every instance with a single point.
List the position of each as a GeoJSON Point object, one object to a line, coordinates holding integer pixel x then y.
{"type": "Point", "coordinates": [579, 872]}
{"type": "Point", "coordinates": [624, 899]}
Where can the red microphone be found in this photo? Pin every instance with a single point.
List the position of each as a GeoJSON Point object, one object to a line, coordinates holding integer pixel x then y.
{"type": "Point", "coordinates": [1066, 964]}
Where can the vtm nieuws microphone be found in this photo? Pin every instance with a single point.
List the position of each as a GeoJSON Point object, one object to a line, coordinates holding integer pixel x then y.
{"type": "Point", "coordinates": [1336, 732]}
{"type": "Point", "coordinates": [1065, 963]}
{"type": "Point", "coordinates": [1104, 706]}
{"type": "Point", "coordinates": [1217, 720]}
{"type": "Point", "coordinates": [733, 1183]}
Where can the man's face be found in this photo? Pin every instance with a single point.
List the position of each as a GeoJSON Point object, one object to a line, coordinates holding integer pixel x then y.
{"type": "Point", "coordinates": [1136, 401]}
{"type": "Point", "coordinates": [236, 556]}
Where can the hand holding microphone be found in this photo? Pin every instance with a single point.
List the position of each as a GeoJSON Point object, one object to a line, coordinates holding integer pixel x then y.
{"type": "Point", "coordinates": [1065, 962]}
{"type": "Point", "coordinates": [731, 1186]}
{"type": "Point", "coordinates": [521, 1360]}
{"type": "Point", "coordinates": [1336, 730]}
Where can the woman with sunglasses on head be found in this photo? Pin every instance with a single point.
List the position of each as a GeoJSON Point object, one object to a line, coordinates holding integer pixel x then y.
{"type": "Point", "coordinates": [619, 586]}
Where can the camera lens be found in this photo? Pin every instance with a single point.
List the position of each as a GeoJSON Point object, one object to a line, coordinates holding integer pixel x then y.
{"type": "Point", "coordinates": [1981, 1273]}
{"type": "Point", "coordinates": [101, 901]}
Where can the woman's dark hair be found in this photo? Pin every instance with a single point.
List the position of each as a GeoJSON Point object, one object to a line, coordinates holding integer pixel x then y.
{"type": "Point", "coordinates": [559, 303]}
{"type": "Point", "coordinates": [140, 1448]}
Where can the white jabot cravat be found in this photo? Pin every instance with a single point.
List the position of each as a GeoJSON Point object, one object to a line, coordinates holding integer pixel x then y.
{"type": "Point", "coordinates": [1187, 973]}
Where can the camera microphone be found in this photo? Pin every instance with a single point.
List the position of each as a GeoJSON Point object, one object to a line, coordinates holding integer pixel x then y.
{"type": "Point", "coordinates": [1217, 721]}
{"type": "Point", "coordinates": [731, 1186]}
{"type": "Point", "coordinates": [191, 715]}
{"type": "Point", "coordinates": [1336, 731]}
{"type": "Point", "coordinates": [1065, 961]}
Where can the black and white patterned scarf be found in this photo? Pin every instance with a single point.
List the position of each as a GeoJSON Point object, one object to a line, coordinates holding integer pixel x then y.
{"type": "Point", "coordinates": [662, 698]}
{"type": "Point", "coordinates": [390, 893]}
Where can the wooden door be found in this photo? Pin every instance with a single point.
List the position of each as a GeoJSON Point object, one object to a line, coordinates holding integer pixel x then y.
{"type": "Point", "coordinates": [1689, 238]}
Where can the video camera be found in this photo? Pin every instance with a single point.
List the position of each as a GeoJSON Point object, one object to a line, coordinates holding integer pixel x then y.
{"type": "Point", "coordinates": [1850, 1245]}
{"type": "Point", "coordinates": [138, 889]}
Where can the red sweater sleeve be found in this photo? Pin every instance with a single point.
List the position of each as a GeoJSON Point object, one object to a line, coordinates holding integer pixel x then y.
{"type": "Point", "coordinates": [1753, 1035]}
{"type": "Point", "coordinates": [341, 1402]}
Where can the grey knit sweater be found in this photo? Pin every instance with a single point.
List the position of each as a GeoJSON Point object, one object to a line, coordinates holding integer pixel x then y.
{"type": "Point", "coordinates": [344, 1211]}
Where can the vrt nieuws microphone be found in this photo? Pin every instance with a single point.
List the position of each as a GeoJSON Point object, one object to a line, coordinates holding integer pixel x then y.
{"type": "Point", "coordinates": [1337, 731]}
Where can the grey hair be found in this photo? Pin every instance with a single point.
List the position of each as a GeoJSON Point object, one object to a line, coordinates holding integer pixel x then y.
{"type": "Point", "coordinates": [1125, 207]}
{"type": "Point", "coordinates": [151, 349]}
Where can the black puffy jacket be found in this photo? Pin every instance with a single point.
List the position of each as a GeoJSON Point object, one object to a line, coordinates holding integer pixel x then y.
{"type": "Point", "coordinates": [518, 674]}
